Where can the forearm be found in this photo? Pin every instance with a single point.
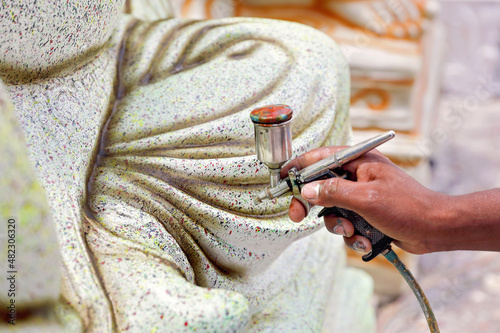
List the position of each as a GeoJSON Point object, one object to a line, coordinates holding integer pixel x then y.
{"type": "Point", "coordinates": [466, 222]}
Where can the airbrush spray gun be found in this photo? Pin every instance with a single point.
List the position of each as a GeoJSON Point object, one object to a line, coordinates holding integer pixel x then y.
{"type": "Point", "coordinates": [273, 144]}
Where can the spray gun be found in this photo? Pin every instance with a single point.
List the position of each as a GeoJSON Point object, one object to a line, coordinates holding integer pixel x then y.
{"type": "Point", "coordinates": [273, 143]}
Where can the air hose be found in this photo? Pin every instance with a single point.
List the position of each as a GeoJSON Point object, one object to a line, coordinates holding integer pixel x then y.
{"type": "Point", "coordinates": [393, 258]}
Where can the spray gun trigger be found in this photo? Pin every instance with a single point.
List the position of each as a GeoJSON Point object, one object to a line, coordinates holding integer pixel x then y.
{"type": "Point", "coordinates": [296, 185]}
{"type": "Point", "coordinates": [307, 205]}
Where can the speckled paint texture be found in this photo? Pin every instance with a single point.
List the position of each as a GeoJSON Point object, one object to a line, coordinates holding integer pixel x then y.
{"type": "Point", "coordinates": [146, 154]}
{"type": "Point", "coordinates": [178, 174]}
{"type": "Point", "coordinates": [52, 37]}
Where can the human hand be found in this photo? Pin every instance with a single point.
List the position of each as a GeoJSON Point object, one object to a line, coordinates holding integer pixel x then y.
{"type": "Point", "coordinates": [388, 198]}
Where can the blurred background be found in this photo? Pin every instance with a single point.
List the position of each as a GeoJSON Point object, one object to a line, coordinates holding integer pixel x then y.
{"type": "Point", "coordinates": [463, 287]}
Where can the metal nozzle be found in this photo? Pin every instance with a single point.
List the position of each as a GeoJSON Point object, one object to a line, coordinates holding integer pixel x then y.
{"type": "Point", "coordinates": [352, 153]}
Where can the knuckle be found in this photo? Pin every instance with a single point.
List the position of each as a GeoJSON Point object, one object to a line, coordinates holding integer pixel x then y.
{"type": "Point", "coordinates": [371, 197]}
{"type": "Point", "coordinates": [376, 167]}
{"type": "Point", "coordinates": [300, 162]}
{"type": "Point", "coordinates": [328, 189]}
{"type": "Point", "coordinates": [373, 170]}
{"type": "Point", "coordinates": [308, 158]}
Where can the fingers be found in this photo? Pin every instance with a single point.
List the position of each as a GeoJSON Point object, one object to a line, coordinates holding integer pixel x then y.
{"type": "Point", "coordinates": [339, 226]}
{"type": "Point", "coordinates": [343, 227]}
{"type": "Point", "coordinates": [335, 225]}
{"type": "Point", "coordinates": [315, 155]}
{"type": "Point", "coordinates": [296, 211]}
{"type": "Point", "coordinates": [335, 192]}
{"type": "Point", "coordinates": [371, 157]}
{"type": "Point", "coordinates": [358, 243]}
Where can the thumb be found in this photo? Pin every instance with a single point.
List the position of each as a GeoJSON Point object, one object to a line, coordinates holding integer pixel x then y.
{"type": "Point", "coordinates": [331, 192]}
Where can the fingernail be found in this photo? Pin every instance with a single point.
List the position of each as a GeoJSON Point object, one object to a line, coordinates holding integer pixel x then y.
{"type": "Point", "coordinates": [339, 223]}
{"type": "Point", "coordinates": [339, 230]}
{"type": "Point", "coordinates": [359, 246]}
{"type": "Point", "coordinates": [310, 191]}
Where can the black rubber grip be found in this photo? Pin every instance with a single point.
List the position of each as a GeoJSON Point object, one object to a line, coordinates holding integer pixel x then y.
{"type": "Point", "coordinates": [379, 241]}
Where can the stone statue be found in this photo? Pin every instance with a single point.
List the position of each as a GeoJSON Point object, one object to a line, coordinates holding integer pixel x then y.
{"type": "Point", "coordinates": [139, 133]}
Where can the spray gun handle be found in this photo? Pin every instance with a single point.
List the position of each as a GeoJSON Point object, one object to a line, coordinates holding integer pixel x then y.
{"type": "Point", "coordinates": [380, 242]}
